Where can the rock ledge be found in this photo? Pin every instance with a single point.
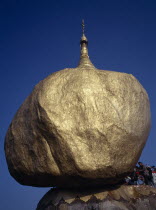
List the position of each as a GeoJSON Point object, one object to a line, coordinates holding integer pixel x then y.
{"type": "Point", "coordinates": [114, 198]}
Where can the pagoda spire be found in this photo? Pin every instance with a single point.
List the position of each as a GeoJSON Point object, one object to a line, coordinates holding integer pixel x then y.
{"type": "Point", "coordinates": [83, 27]}
{"type": "Point", "coordinates": [84, 58]}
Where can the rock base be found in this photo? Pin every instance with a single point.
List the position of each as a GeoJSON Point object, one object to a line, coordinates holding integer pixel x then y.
{"type": "Point", "coordinates": [112, 198]}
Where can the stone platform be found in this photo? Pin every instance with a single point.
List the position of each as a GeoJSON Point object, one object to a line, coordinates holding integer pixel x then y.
{"type": "Point", "coordinates": [111, 198]}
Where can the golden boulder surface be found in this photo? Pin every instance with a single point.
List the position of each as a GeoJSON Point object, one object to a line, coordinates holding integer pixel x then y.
{"type": "Point", "coordinates": [79, 127]}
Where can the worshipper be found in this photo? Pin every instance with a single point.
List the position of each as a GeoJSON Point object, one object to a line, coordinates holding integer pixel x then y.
{"type": "Point", "coordinates": [141, 180]}
{"type": "Point", "coordinates": [150, 177]}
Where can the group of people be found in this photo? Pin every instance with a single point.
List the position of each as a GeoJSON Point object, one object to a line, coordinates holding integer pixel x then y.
{"type": "Point", "coordinates": [142, 175]}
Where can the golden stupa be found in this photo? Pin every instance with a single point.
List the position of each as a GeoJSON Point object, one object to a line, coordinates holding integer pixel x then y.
{"type": "Point", "coordinates": [79, 127]}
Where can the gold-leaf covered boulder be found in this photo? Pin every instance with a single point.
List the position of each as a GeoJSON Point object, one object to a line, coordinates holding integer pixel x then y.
{"type": "Point", "coordinates": [79, 127]}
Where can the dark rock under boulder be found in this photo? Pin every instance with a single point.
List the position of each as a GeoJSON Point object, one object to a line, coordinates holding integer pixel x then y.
{"type": "Point", "coordinates": [113, 198]}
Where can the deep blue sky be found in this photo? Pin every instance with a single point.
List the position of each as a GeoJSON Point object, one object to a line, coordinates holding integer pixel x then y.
{"type": "Point", "coordinates": [38, 37]}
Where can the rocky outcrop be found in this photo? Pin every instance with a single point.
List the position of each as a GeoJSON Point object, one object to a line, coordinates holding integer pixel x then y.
{"type": "Point", "coordinates": [79, 127]}
{"type": "Point", "coordinates": [117, 198]}
{"type": "Point", "coordinates": [79, 124]}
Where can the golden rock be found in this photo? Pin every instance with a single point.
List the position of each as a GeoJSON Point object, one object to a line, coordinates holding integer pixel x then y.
{"type": "Point", "coordinates": [80, 126]}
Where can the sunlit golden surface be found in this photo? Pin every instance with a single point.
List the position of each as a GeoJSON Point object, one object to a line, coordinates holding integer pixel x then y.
{"type": "Point", "coordinates": [79, 124]}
